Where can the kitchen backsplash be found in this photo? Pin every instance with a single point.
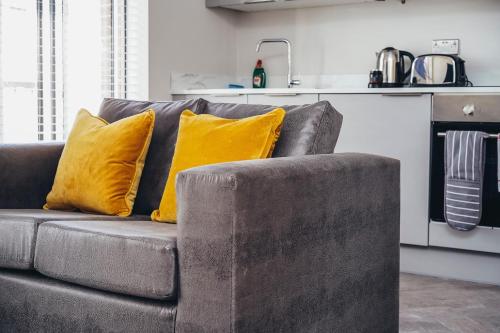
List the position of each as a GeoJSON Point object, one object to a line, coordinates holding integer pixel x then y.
{"type": "Point", "coordinates": [184, 81]}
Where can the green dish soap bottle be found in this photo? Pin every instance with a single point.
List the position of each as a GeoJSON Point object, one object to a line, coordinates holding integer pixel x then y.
{"type": "Point", "coordinates": [259, 75]}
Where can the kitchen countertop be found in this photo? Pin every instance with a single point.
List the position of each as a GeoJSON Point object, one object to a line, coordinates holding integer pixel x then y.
{"type": "Point", "coordinates": [296, 91]}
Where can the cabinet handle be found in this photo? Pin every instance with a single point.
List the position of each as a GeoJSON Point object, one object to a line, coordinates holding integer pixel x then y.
{"type": "Point", "coordinates": [226, 95]}
{"type": "Point", "coordinates": [281, 94]}
{"type": "Point", "coordinates": [252, 2]}
{"type": "Point", "coordinates": [402, 95]}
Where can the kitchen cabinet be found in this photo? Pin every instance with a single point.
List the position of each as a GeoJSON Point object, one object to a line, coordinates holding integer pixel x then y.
{"type": "Point", "coordinates": [283, 99]}
{"type": "Point", "coordinates": [277, 99]}
{"type": "Point", "coordinates": [260, 5]}
{"type": "Point", "coordinates": [396, 126]}
{"type": "Point", "coordinates": [216, 98]}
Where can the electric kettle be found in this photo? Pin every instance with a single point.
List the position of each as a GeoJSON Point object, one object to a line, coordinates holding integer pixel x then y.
{"type": "Point", "coordinates": [390, 62]}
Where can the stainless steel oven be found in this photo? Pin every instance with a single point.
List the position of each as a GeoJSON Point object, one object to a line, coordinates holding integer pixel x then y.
{"type": "Point", "coordinates": [467, 113]}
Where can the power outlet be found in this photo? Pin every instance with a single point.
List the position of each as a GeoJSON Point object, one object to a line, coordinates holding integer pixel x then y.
{"type": "Point", "coordinates": [446, 46]}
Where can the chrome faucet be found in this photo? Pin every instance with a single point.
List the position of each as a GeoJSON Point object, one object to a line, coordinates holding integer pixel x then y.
{"type": "Point", "coordinates": [290, 81]}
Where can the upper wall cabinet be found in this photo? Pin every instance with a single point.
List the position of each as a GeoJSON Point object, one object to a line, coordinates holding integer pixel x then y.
{"type": "Point", "coordinates": [258, 5]}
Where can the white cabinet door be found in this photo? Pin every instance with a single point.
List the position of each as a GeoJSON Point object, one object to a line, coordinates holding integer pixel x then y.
{"type": "Point", "coordinates": [396, 126]}
{"type": "Point", "coordinates": [222, 98]}
{"type": "Point", "coordinates": [283, 99]}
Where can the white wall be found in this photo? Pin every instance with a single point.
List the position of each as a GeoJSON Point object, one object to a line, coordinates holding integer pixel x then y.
{"type": "Point", "coordinates": [343, 39]}
{"type": "Point", "coordinates": [184, 36]}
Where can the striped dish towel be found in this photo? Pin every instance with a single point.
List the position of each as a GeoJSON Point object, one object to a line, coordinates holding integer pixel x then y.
{"type": "Point", "coordinates": [464, 173]}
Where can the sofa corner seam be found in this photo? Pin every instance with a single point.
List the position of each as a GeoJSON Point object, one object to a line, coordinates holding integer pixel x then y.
{"type": "Point", "coordinates": [314, 146]}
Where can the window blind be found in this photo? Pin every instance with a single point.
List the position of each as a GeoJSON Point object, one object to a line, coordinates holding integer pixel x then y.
{"type": "Point", "coordinates": [123, 38]}
{"type": "Point", "coordinates": [1, 79]}
{"type": "Point", "coordinates": [114, 39]}
{"type": "Point", "coordinates": [57, 56]}
{"type": "Point", "coordinates": [49, 70]}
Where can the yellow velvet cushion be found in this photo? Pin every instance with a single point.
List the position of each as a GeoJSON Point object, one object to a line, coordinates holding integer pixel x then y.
{"type": "Point", "coordinates": [206, 139]}
{"type": "Point", "coordinates": [101, 164]}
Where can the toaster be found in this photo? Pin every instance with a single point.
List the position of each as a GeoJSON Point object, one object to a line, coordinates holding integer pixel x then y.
{"type": "Point", "coordinates": [438, 70]}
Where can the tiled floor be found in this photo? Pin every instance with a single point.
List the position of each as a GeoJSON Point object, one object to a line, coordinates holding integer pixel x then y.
{"type": "Point", "coordinates": [430, 304]}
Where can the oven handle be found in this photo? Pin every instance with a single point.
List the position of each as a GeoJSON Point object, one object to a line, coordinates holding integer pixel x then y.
{"type": "Point", "coordinates": [490, 136]}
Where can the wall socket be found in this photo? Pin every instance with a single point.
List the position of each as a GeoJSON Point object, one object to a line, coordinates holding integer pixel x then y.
{"type": "Point", "coordinates": [446, 46]}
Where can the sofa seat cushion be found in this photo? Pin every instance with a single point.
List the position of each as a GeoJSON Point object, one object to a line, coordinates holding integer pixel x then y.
{"type": "Point", "coordinates": [135, 258]}
{"type": "Point", "coordinates": [30, 302]}
{"type": "Point", "coordinates": [18, 229]}
{"type": "Point", "coordinates": [307, 129]}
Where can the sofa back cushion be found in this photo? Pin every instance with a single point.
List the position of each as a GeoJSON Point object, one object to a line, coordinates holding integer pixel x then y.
{"type": "Point", "coordinates": [307, 129]}
{"type": "Point", "coordinates": [161, 150]}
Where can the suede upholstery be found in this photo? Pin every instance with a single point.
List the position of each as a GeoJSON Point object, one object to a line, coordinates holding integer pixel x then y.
{"type": "Point", "coordinates": [18, 230]}
{"type": "Point", "coordinates": [292, 244]}
{"type": "Point", "coordinates": [161, 149]}
{"type": "Point", "coordinates": [32, 303]}
{"type": "Point", "coordinates": [17, 242]}
{"type": "Point", "coordinates": [27, 173]}
{"type": "Point", "coordinates": [303, 244]}
{"type": "Point", "coordinates": [137, 258]}
{"type": "Point", "coordinates": [307, 129]}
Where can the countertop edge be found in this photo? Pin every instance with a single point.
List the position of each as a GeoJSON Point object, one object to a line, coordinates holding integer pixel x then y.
{"type": "Point", "coordinates": [297, 91]}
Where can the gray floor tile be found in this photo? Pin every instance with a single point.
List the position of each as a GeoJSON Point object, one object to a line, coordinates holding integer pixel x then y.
{"type": "Point", "coordinates": [435, 305]}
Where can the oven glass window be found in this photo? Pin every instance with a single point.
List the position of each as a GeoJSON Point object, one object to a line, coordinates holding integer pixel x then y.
{"type": "Point", "coordinates": [491, 196]}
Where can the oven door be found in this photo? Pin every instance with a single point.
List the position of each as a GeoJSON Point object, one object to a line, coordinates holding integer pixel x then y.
{"type": "Point", "coordinates": [485, 237]}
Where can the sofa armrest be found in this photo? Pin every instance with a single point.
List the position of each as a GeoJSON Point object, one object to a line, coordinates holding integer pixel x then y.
{"type": "Point", "coordinates": [300, 244]}
{"type": "Point", "coordinates": [27, 173]}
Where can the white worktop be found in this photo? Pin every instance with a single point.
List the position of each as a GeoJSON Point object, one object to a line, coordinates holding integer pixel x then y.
{"type": "Point", "coordinates": [284, 91]}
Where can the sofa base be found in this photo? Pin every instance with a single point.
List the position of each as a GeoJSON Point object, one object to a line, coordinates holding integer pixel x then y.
{"type": "Point", "coordinates": [30, 302]}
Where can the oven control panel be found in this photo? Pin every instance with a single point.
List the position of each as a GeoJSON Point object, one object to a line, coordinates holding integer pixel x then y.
{"type": "Point", "coordinates": [466, 108]}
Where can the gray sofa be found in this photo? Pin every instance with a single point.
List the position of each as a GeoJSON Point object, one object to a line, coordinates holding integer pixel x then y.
{"type": "Point", "coordinates": [307, 241]}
